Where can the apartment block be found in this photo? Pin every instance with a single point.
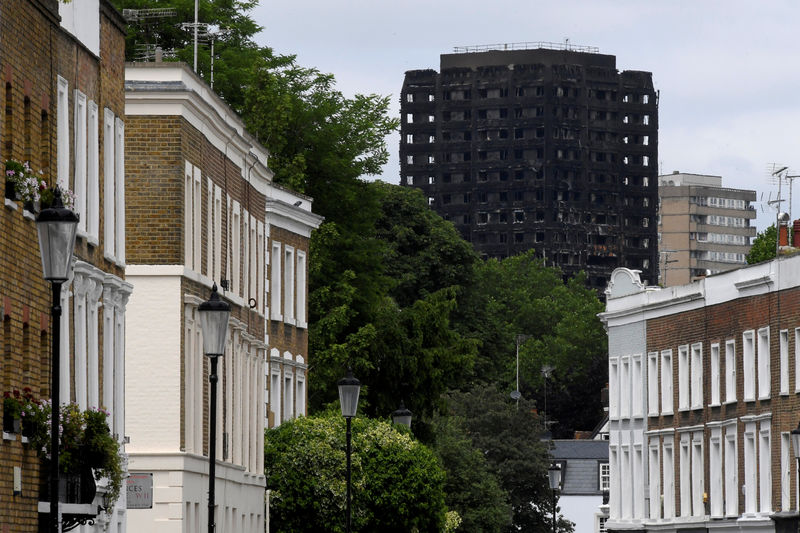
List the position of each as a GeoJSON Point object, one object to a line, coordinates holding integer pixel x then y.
{"type": "Point", "coordinates": [538, 146]}
{"type": "Point", "coordinates": [704, 386]}
{"type": "Point", "coordinates": [201, 210]}
{"type": "Point", "coordinates": [62, 111]}
{"type": "Point", "coordinates": [703, 227]}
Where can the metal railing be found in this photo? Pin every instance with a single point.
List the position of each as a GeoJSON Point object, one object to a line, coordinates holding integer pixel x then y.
{"type": "Point", "coordinates": [527, 45]}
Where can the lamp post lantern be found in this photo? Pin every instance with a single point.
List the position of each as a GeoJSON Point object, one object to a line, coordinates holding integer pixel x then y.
{"type": "Point", "coordinates": [795, 433]}
{"type": "Point", "coordinates": [402, 416]}
{"type": "Point", "coordinates": [349, 388]}
{"type": "Point", "coordinates": [214, 315]}
{"type": "Point", "coordinates": [56, 227]}
{"type": "Point", "coordinates": [554, 476]}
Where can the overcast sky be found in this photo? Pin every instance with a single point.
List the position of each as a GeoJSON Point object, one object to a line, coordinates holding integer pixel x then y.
{"type": "Point", "coordinates": [727, 71]}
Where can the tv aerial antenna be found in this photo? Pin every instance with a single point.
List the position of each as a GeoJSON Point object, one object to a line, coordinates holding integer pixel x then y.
{"type": "Point", "coordinates": [205, 32]}
{"type": "Point", "coordinates": [145, 18]}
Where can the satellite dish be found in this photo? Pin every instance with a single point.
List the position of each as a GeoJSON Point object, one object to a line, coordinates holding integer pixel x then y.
{"type": "Point", "coordinates": [515, 395]}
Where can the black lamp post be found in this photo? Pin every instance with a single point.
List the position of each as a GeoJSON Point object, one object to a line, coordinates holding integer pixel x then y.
{"type": "Point", "coordinates": [214, 314]}
{"type": "Point", "coordinates": [795, 433]}
{"type": "Point", "coordinates": [56, 227]}
{"type": "Point", "coordinates": [554, 476]}
{"type": "Point", "coordinates": [349, 387]}
{"type": "Point", "coordinates": [402, 416]}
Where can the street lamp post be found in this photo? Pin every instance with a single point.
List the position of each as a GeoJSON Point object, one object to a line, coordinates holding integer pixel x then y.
{"type": "Point", "coordinates": [795, 433]}
{"type": "Point", "coordinates": [214, 315]}
{"type": "Point", "coordinates": [56, 227]}
{"type": "Point", "coordinates": [402, 416]}
{"type": "Point", "coordinates": [554, 476]}
{"type": "Point", "coordinates": [349, 388]}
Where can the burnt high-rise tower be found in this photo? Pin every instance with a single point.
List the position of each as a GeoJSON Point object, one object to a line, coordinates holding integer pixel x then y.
{"type": "Point", "coordinates": [531, 146]}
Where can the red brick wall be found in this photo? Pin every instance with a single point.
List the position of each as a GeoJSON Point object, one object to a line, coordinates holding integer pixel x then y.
{"type": "Point", "coordinates": [716, 324]}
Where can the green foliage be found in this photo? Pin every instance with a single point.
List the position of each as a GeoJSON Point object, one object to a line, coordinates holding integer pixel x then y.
{"type": "Point", "coordinates": [397, 482]}
{"type": "Point", "coordinates": [235, 52]}
{"type": "Point", "coordinates": [519, 295]}
{"type": "Point", "coordinates": [764, 246]}
{"type": "Point", "coordinates": [400, 342]}
{"type": "Point", "coordinates": [508, 437]}
{"type": "Point", "coordinates": [85, 442]}
{"type": "Point", "coordinates": [471, 487]}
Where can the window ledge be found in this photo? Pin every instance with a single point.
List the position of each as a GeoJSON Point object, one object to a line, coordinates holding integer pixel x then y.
{"type": "Point", "coordinates": [667, 413]}
{"type": "Point", "coordinates": [730, 402]}
{"type": "Point", "coordinates": [110, 257]}
{"type": "Point", "coordinates": [27, 214]}
{"type": "Point", "coordinates": [11, 204]}
{"type": "Point", "coordinates": [9, 436]}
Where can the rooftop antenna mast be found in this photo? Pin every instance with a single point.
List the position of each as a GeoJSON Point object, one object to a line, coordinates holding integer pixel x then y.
{"type": "Point", "coordinates": [776, 174]}
{"type": "Point", "coordinates": [146, 17]}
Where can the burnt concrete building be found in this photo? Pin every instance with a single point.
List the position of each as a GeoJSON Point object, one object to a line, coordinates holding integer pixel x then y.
{"type": "Point", "coordinates": [532, 146]}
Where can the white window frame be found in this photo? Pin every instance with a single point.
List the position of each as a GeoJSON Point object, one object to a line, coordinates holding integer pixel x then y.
{"type": "Point", "coordinates": [686, 474]}
{"type": "Point", "coordinates": [652, 384]}
{"type": "Point", "coordinates": [731, 461]}
{"type": "Point", "coordinates": [667, 394]}
{"type": "Point", "coordinates": [750, 468]}
{"type": "Point", "coordinates": [613, 388]}
{"type": "Point", "coordinates": [668, 450]}
{"type": "Point", "coordinates": [625, 387]}
{"type": "Point", "coordinates": [654, 464]}
{"type": "Point", "coordinates": [698, 474]}
{"type": "Point", "coordinates": [715, 469]}
{"type": "Point", "coordinates": [93, 176]}
{"type": "Point", "coordinates": [62, 133]}
{"type": "Point", "coordinates": [683, 378]}
{"type": "Point", "coordinates": [749, 364]}
{"type": "Point", "coordinates": [81, 158]}
{"type": "Point", "coordinates": [637, 389]}
{"type": "Point", "coordinates": [236, 248]}
{"type": "Point", "coordinates": [217, 233]}
{"type": "Point", "coordinates": [787, 463]}
{"type": "Point", "coordinates": [697, 376]}
{"type": "Point", "coordinates": [288, 286]}
{"type": "Point", "coordinates": [109, 183]}
{"type": "Point", "coordinates": [276, 280]}
{"type": "Point", "coordinates": [715, 375]}
{"type": "Point", "coordinates": [764, 377]}
{"type": "Point", "coordinates": [784, 357]}
{"type": "Point", "coordinates": [797, 360]}
{"type": "Point", "coordinates": [301, 289]}
{"type": "Point", "coordinates": [730, 371]}
{"type": "Point", "coordinates": [119, 191]}
{"type": "Point", "coordinates": [765, 467]}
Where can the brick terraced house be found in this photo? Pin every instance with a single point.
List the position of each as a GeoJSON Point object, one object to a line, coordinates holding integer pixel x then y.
{"type": "Point", "coordinates": [704, 390]}
{"type": "Point", "coordinates": [202, 209]}
{"type": "Point", "coordinates": [62, 110]}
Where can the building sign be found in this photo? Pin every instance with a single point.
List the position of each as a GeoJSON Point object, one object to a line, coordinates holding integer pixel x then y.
{"type": "Point", "coordinates": [140, 490]}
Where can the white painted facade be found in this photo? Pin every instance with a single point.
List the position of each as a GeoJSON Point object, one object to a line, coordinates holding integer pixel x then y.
{"type": "Point", "coordinates": [168, 377]}
{"type": "Point", "coordinates": [707, 457]}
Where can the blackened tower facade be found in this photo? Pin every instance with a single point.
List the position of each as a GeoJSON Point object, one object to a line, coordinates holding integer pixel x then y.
{"type": "Point", "coordinates": [537, 147]}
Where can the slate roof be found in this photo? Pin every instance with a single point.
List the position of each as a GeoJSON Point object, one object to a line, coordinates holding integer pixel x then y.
{"type": "Point", "coordinates": [580, 449]}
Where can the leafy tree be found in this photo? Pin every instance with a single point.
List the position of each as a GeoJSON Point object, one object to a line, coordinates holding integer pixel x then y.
{"type": "Point", "coordinates": [397, 481]}
{"type": "Point", "coordinates": [763, 246]}
{"type": "Point", "coordinates": [235, 51]}
{"type": "Point", "coordinates": [424, 252]}
{"type": "Point", "coordinates": [404, 346]}
{"type": "Point", "coordinates": [509, 438]}
{"type": "Point", "coordinates": [471, 488]}
{"type": "Point", "coordinates": [520, 296]}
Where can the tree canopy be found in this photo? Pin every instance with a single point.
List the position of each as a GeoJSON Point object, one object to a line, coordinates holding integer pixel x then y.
{"type": "Point", "coordinates": [509, 438]}
{"type": "Point", "coordinates": [764, 246]}
{"type": "Point", "coordinates": [398, 484]}
{"type": "Point", "coordinates": [234, 49]}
